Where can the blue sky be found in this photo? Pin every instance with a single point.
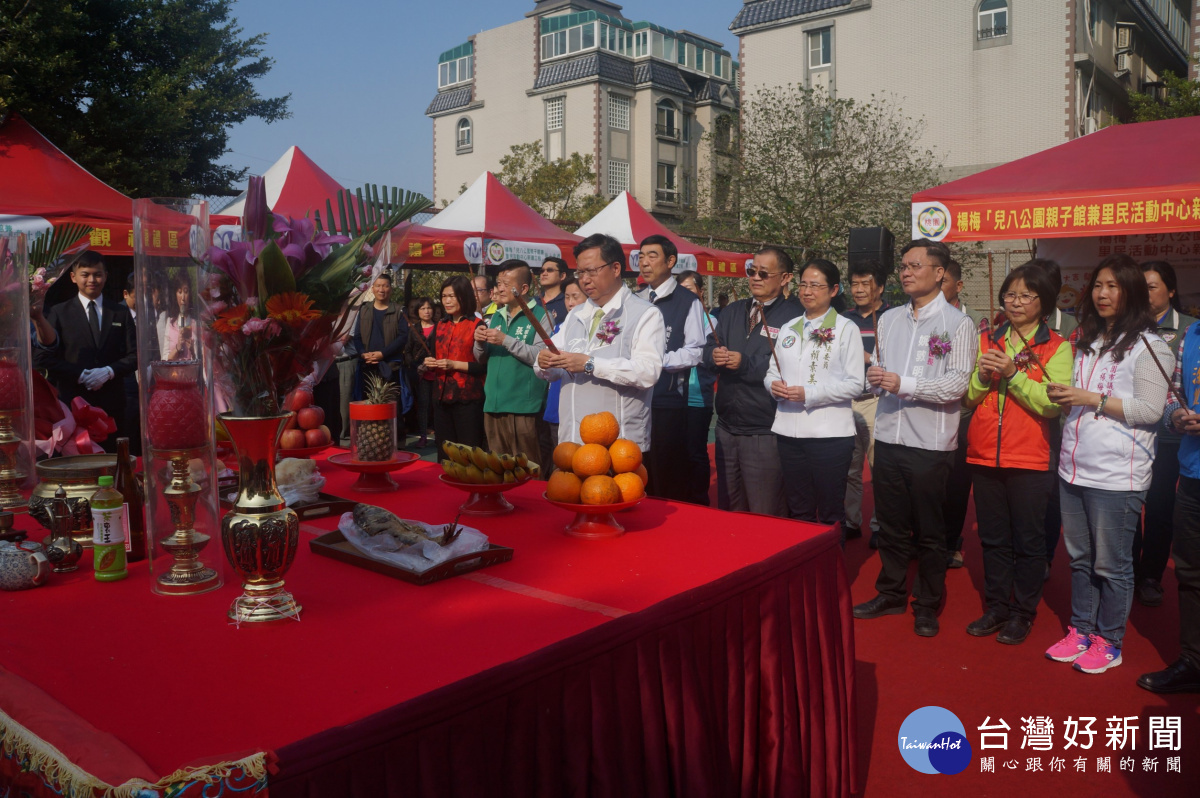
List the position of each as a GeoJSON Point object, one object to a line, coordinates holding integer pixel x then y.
{"type": "Point", "coordinates": [361, 73]}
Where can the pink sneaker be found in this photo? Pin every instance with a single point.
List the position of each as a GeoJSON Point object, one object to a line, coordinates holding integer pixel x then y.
{"type": "Point", "coordinates": [1100, 656]}
{"type": "Point", "coordinates": [1069, 648]}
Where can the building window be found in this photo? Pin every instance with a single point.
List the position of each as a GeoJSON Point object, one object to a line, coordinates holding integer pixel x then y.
{"type": "Point", "coordinates": [555, 112]}
{"type": "Point", "coordinates": [463, 138]}
{"type": "Point", "coordinates": [641, 41]}
{"type": "Point", "coordinates": [460, 70]}
{"type": "Point", "coordinates": [618, 177]}
{"type": "Point", "coordinates": [993, 19]}
{"type": "Point", "coordinates": [820, 48]}
{"type": "Point", "coordinates": [1094, 21]}
{"type": "Point", "coordinates": [668, 120]}
{"type": "Point", "coordinates": [618, 112]}
{"type": "Point", "coordinates": [686, 129]}
{"type": "Point", "coordinates": [668, 190]}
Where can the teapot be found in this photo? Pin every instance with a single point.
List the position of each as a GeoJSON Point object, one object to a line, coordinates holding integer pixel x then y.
{"type": "Point", "coordinates": [22, 565]}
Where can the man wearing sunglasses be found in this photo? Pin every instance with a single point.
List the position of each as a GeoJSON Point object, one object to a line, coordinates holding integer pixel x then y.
{"type": "Point", "coordinates": [610, 348]}
{"type": "Point", "coordinates": [749, 478]}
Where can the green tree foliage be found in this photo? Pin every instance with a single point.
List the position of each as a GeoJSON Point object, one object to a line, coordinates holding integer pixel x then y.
{"type": "Point", "coordinates": [803, 168]}
{"type": "Point", "coordinates": [1181, 97]}
{"type": "Point", "coordinates": [561, 189]}
{"type": "Point", "coordinates": [140, 92]}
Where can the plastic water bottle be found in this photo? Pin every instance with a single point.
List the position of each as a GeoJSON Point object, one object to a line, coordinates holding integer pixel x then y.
{"type": "Point", "coordinates": [108, 532]}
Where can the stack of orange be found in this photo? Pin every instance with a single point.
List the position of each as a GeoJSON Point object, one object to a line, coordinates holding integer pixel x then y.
{"type": "Point", "coordinates": [604, 469]}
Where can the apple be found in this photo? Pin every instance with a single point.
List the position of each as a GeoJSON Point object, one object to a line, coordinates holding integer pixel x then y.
{"type": "Point", "coordinates": [291, 423]}
{"type": "Point", "coordinates": [299, 399]}
{"type": "Point", "coordinates": [292, 439]}
{"type": "Point", "coordinates": [310, 417]}
{"type": "Point", "coordinates": [316, 437]}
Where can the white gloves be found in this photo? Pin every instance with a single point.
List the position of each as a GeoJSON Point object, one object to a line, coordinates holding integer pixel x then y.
{"type": "Point", "coordinates": [93, 379]}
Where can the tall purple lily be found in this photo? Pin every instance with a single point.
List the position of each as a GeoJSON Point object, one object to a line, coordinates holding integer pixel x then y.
{"type": "Point", "coordinates": [254, 219]}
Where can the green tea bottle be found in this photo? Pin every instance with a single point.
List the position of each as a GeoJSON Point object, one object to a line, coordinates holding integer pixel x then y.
{"type": "Point", "coordinates": [108, 532]}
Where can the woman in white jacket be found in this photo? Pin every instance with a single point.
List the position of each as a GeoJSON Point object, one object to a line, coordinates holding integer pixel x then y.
{"type": "Point", "coordinates": [817, 372]}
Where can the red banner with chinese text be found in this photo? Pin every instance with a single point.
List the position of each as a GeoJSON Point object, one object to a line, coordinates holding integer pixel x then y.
{"type": "Point", "coordinates": [1056, 217]}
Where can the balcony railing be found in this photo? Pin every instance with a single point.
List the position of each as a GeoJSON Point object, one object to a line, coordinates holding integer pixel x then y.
{"type": "Point", "coordinates": [667, 196]}
{"type": "Point", "coordinates": [993, 32]}
{"type": "Point", "coordinates": [667, 132]}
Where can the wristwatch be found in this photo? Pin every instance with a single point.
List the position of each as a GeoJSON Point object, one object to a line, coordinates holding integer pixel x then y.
{"type": "Point", "coordinates": [589, 366]}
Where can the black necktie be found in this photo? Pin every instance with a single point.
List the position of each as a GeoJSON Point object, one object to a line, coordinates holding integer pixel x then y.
{"type": "Point", "coordinates": [756, 315]}
{"type": "Point", "coordinates": [94, 322]}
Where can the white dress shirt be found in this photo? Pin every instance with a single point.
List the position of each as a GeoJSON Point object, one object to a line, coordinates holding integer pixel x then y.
{"type": "Point", "coordinates": [831, 375]}
{"type": "Point", "coordinates": [640, 370]}
{"type": "Point", "coordinates": [99, 307]}
{"type": "Point", "coordinates": [692, 351]}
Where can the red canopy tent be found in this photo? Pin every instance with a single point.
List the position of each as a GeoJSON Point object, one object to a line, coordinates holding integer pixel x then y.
{"type": "Point", "coordinates": [295, 187]}
{"type": "Point", "coordinates": [41, 187]}
{"type": "Point", "coordinates": [487, 224]}
{"type": "Point", "coordinates": [1126, 179]}
{"type": "Point", "coordinates": [628, 222]}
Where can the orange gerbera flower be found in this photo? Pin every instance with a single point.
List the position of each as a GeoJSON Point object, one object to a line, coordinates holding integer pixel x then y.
{"type": "Point", "coordinates": [291, 307]}
{"type": "Point", "coordinates": [231, 320]}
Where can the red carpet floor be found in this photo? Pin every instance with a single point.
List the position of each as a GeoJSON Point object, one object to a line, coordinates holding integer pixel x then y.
{"type": "Point", "coordinates": [977, 678]}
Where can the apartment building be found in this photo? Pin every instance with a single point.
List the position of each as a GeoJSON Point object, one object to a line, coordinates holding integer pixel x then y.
{"type": "Point", "coordinates": [579, 76]}
{"type": "Point", "coordinates": [994, 80]}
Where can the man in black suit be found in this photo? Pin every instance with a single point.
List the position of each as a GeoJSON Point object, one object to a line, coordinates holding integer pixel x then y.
{"type": "Point", "coordinates": [96, 347]}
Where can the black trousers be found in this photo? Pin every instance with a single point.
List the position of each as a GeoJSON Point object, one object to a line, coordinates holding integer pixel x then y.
{"type": "Point", "coordinates": [1152, 543]}
{"type": "Point", "coordinates": [958, 489]}
{"type": "Point", "coordinates": [461, 422]}
{"type": "Point", "coordinates": [1010, 505]}
{"type": "Point", "coordinates": [1187, 566]}
{"type": "Point", "coordinates": [910, 486]}
{"type": "Point", "coordinates": [668, 464]}
{"type": "Point", "coordinates": [814, 477]}
{"type": "Point", "coordinates": [700, 475]}
{"type": "Point", "coordinates": [1053, 520]}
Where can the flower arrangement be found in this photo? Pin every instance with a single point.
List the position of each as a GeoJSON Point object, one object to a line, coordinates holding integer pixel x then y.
{"type": "Point", "coordinates": [608, 331]}
{"type": "Point", "coordinates": [278, 301]}
{"type": "Point", "coordinates": [1023, 360]}
{"type": "Point", "coordinates": [939, 345]}
{"type": "Point", "coordinates": [822, 336]}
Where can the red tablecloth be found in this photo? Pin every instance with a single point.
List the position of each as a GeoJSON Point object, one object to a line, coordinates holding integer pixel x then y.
{"type": "Point", "coordinates": [703, 653]}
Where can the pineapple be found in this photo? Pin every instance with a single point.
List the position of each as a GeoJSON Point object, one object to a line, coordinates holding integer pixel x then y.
{"type": "Point", "coordinates": [376, 440]}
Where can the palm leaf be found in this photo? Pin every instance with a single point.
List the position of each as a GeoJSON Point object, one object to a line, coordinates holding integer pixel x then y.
{"type": "Point", "coordinates": [49, 248]}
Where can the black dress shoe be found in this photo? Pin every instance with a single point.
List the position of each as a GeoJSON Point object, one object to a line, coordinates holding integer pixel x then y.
{"type": "Point", "coordinates": [852, 532]}
{"type": "Point", "coordinates": [989, 624]}
{"type": "Point", "coordinates": [925, 624]}
{"type": "Point", "coordinates": [1015, 631]}
{"type": "Point", "coordinates": [1180, 677]}
{"type": "Point", "coordinates": [1149, 592]}
{"type": "Point", "coordinates": [880, 605]}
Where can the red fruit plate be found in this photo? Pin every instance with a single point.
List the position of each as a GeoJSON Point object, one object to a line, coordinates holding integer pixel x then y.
{"type": "Point", "coordinates": [304, 453]}
{"type": "Point", "coordinates": [594, 521]}
{"type": "Point", "coordinates": [374, 477]}
{"type": "Point", "coordinates": [484, 499]}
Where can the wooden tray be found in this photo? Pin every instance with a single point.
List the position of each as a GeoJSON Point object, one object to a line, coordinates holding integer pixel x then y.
{"type": "Point", "coordinates": [335, 546]}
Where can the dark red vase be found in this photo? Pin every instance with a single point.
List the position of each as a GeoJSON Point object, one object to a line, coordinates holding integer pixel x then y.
{"type": "Point", "coordinates": [176, 418]}
{"type": "Point", "coordinates": [12, 386]}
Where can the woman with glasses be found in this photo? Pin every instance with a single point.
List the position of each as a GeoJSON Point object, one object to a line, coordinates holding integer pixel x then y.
{"type": "Point", "coordinates": [1008, 451]}
{"type": "Point", "coordinates": [458, 385]}
{"type": "Point", "coordinates": [1113, 410]}
{"type": "Point", "coordinates": [817, 371]}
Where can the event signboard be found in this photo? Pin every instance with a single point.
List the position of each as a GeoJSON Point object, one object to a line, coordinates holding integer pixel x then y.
{"type": "Point", "coordinates": [1079, 256]}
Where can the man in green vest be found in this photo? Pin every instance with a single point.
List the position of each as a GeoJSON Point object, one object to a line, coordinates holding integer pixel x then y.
{"type": "Point", "coordinates": [514, 397]}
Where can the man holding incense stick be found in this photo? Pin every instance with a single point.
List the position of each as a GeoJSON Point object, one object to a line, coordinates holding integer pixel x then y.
{"type": "Point", "coordinates": [683, 316]}
{"type": "Point", "coordinates": [514, 397]}
{"type": "Point", "coordinates": [610, 348]}
{"type": "Point", "coordinates": [928, 354]}
{"type": "Point", "coordinates": [749, 478]}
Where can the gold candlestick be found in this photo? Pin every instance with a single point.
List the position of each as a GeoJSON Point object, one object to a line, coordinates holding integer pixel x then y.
{"type": "Point", "coordinates": [11, 475]}
{"type": "Point", "coordinates": [188, 575]}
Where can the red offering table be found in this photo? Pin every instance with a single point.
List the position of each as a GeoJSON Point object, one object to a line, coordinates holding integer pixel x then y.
{"type": "Point", "coordinates": [701, 654]}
